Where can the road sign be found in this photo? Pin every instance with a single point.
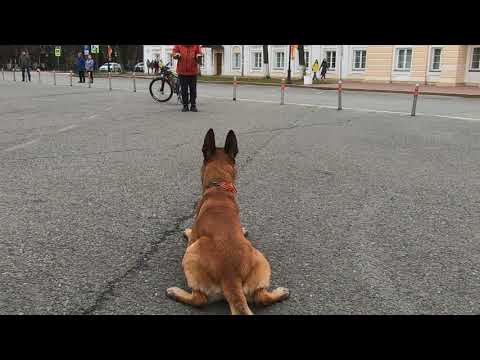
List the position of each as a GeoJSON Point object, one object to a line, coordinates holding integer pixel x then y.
{"type": "Point", "coordinates": [58, 51]}
{"type": "Point", "coordinates": [94, 49]}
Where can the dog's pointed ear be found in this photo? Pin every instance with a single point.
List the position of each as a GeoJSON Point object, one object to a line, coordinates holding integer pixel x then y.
{"type": "Point", "coordinates": [231, 146]}
{"type": "Point", "coordinates": [209, 147]}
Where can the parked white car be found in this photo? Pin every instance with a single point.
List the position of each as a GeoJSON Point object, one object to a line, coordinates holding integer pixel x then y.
{"type": "Point", "coordinates": [113, 67]}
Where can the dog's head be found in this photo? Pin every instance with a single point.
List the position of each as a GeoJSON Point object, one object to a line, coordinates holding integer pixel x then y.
{"type": "Point", "coordinates": [219, 163]}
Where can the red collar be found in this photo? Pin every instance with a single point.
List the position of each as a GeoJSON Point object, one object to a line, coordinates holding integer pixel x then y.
{"type": "Point", "coordinates": [224, 185]}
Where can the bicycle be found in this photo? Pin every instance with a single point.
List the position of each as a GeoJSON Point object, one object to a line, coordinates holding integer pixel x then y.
{"type": "Point", "coordinates": [165, 85]}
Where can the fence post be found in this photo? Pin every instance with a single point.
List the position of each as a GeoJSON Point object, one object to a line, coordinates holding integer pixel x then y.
{"type": "Point", "coordinates": [134, 83]}
{"type": "Point", "coordinates": [39, 80]}
{"type": "Point", "coordinates": [234, 88]}
{"type": "Point", "coordinates": [54, 78]}
{"type": "Point", "coordinates": [3, 74]}
{"type": "Point", "coordinates": [340, 95]}
{"type": "Point", "coordinates": [109, 81]}
{"type": "Point", "coordinates": [415, 96]}
{"type": "Point", "coordinates": [14, 77]}
{"type": "Point", "coordinates": [71, 78]}
{"type": "Point", "coordinates": [282, 92]}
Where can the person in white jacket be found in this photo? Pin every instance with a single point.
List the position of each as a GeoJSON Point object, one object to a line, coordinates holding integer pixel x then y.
{"type": "Point", "coordinates": [89, 65]}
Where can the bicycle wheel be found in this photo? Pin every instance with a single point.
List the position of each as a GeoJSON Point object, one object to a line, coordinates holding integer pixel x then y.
{"type": "Point", "coordinates": [161, 90]}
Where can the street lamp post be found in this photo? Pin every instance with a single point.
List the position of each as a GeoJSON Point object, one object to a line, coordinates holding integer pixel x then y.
{"type": "Point", "coordinates": [289, 73]}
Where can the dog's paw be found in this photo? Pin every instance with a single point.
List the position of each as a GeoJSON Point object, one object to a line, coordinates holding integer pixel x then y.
{"type": "Point", "coordinates": [187, 233]}
{"type": "Point", "coordinates": [170, 292]}
{"type": "Point", "coordinates": [283, 293]}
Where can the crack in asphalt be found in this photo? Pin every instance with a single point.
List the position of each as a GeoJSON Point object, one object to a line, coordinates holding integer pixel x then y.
{"type": "Point", "coordinates": [140, 263]}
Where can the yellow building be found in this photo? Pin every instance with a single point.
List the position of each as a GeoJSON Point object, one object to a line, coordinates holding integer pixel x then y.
{"type": "Point", "coordinates": [444, 65]}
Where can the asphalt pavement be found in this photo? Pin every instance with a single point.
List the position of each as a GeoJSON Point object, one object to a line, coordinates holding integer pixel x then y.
{"type": "Point", "coordinates": [361, 211]}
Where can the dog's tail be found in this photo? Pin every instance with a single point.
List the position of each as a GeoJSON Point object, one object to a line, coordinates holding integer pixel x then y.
{"type": "Point", "coordinates": [233, 292]}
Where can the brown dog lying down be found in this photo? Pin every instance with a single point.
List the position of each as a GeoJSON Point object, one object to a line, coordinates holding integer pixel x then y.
{"type": "Point", "coordinates": [219, 261]}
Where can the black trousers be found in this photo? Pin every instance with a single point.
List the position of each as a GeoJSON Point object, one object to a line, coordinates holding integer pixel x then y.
{"type": "Point", "coordinates": [188, 82]}
{"type": "Point", "coordinates": [81, 75]}
{"type": "Point", "coordinates": [27, 69]}
{"type": "Point", "coordinates": [90, 75]}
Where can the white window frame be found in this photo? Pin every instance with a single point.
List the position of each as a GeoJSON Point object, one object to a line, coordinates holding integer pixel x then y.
{"type": "Point", "coordinates": [275, 60]}
{"type": "Point", "coordinates": [255, 68]}
{"type": "Point", "coordinates": [307, 59]}
{"type": "Point", "coordinates": [397, 58]}
{"type": "Point", "coordinates": [331, 68]}
{"type": "Point", "coordinates": [432, 58]}
{"type": "Point", "coordinates": [470, 67]}
{"type": "Point", "coordinates": [204, 59]}
{"type": "Point", "coordinates": [364, 58]}
{"type": "Point", "coordinates": [236, 50]}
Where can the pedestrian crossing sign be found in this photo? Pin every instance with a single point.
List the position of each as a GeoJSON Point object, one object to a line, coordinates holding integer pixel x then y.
{"type": "Point", "coordinates": [94, 49]}
{"type": "Point", "coordinates": [58, 51]}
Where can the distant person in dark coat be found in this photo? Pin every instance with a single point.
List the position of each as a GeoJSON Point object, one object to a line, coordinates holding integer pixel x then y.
{"type": "Point", "coordinates": [324, 68]}
{"type": "Point", "coordinates": [80, 64]}
{"type": "Point", "coordinates": [25, 65]}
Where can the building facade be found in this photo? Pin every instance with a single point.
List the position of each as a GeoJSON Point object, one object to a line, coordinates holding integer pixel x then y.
{"type": "Point", "coordinates": [445, 65]}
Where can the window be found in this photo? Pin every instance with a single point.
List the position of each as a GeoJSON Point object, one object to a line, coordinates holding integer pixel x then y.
{"type": "Point", "coordinates": [359, 59]}
{"type": "Point", "coordinates": [257, 60]}
{"type": "Point", "coordinates": [475, 65]}
{"type": "Point", "coordinates": [435, 59]}
{"type": "Point", "coordinates": [307, 59]}
{"type": "Point", "coordinates": [236, 58]}
{"type": "Point", "coordinates": [403, 59]}
{"type": "Point", "coordinates": [279, 60]}
{"type": "Point", "coordinates": [236, 61]}
{"type": "Point", "coordinates": [331, 59]}
{"type": "Point", "coordinates": [202, 61]}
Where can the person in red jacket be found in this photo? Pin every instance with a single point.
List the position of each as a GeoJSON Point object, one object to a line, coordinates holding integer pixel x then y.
{"type": "Point", "coordinates": [188, 56]}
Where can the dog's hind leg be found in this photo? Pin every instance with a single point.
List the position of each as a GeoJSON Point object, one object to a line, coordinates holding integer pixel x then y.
{"type": "Point", "coordinates": [196, 298]}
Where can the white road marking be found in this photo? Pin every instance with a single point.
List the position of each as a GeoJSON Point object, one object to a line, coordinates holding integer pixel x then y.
{"type": "Point", "coordinates": [19, 146]}
{"type": "Point", "coordinates": [345, 108]}
{"type": "Point", "coordinates": [66, 128]}
{"type": "Point", "coordinates": [93, 116]}
{"type": "Point", "coordinates": [108, 109]}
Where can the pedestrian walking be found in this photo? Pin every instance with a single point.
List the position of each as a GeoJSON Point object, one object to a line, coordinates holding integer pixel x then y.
{"type": "Point", "coordinates": [188, 57]}
{"type": "Point", "coordinates": [89, 65]}
{"type": "Point", "coordinates": [148, 66]}
{"type": "Point", "coordinates": [315, 68]}
{"type": "Point", "coordinates": [25, 65]}
{"type": "Point", "coordinates": [80, 65]}
{"type": "Point", "coordinates": [156, 65]}
{"type": "Point", "coordinates": [324, 67]}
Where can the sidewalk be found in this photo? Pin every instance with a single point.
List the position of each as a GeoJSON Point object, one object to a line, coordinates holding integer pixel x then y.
{"type": "Point", "coordinates": [460, 91]}
{"type": "Point", "coordinates": [463, 91]}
